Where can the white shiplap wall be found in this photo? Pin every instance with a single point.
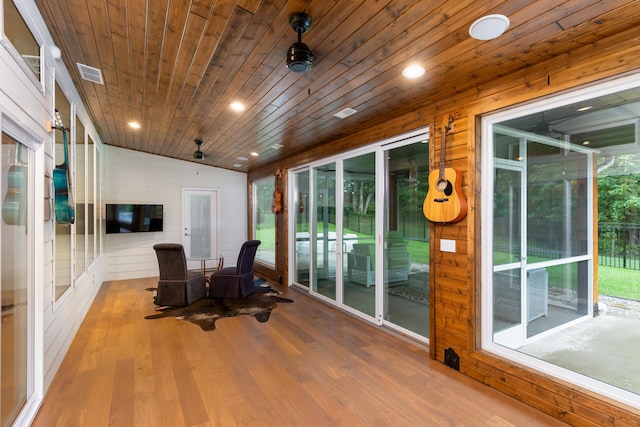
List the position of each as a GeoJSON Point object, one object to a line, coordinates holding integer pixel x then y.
{"type": "Point", "coordinates": [136, 177]}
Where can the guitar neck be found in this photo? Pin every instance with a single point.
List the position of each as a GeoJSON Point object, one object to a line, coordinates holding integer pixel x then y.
{"type": "Point", "coordinates": [443, 133]}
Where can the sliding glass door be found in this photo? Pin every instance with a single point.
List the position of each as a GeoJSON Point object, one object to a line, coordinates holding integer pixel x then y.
{"type": "Point", "coordinates": [300, 213]}
{"type": "Point", "coordinates": [359, 233]}
{"type": "Point", "coordinates": [406, 238]}
{"type": "Point", "coordinates": [359, 238]}
{"type": "Point", "coordinates": [322, 243]}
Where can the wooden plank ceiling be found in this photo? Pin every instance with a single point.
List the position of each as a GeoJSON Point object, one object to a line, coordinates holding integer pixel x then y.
{"type": "Point", "coordinates": [176, 65]}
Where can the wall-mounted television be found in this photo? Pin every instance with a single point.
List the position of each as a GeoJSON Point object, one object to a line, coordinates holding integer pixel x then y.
{"type": "Point", "coordinates": [133, 218]}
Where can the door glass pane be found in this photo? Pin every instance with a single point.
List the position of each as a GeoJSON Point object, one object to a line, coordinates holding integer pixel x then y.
{"type": "Point", "coordinates": [200, 229]}
{"type": "Point", "coordinates": [63, 227]}
{"type": "Point", "coordinates": [557, 202]}
{"type": "Point", "coordinates": [301, 255]}
{"type": "Point", "coordinates": [507, 216]}
{"type": "Point", "coordinates": [14, 255]}
{"type": "Point", "coordinates": [358, 238]}
{"type": "Point", "coordinates": [200, 226]}
{"type": "Point", "coordinates": [91, 219]}
{"type": "Point", "coordinates": [98, 198]}
{"type": "Point", "coordinates": [81, 226]}
{"type": "Point", "coordinates": [507, 301]}
{"type": "Point", "coordinates": [265, 220]}
{"type": "Point", "coordinates": [406, 239]}
{"type": "Point", "coordinates": [323, 230]}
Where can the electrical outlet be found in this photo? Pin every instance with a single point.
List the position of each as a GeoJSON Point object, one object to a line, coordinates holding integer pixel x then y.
{"type": "Point", "coordinates": [447, 245]}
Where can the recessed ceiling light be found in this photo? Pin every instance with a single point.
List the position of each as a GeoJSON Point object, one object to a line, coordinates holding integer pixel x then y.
{"type": "Point", "coordinates": [243, 158]}
{"type": "Point", "coordinates": [277, 146]}
{"type": "Point", "coordinates": [586, 142]}
{"type": "Point", "coordinates": [489, 27]}
{"type": "Point", "coordinates": [237, 106]}
{"type": "Point", "coordinates": [237, 165]}
{"type": "Point", "coordinates": [413, 72]}
{"type": "Point", "coordinates": [254, 154]}
{"type": "Point", "coordinates": [588, 107]}
{"type": "Point", "coordinates": [134, 125]}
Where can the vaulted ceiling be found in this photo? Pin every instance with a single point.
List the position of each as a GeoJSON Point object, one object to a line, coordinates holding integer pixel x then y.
{"type": "Point", "coordinates": [175, 66]}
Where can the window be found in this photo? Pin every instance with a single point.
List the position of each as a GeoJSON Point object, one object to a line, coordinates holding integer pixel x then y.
{"type": "Point", "coordinates": [81, 201]}
{"type": "Point", "coordinates": [22, 40]}
{"type": "Point", "coordinates": [265, 220]}
{"type": "Point", "coordinates": [17, 329]}
{"type": "Point", "coordinates": [63, 240]}
{"type": "Point", "coordinates": [560, 180]}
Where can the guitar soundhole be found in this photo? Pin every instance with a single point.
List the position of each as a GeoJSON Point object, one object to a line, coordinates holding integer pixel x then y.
{"type": "Point", "coordinates": [445, 186]}
{"type": "Point", "coordinates": [448, 189]}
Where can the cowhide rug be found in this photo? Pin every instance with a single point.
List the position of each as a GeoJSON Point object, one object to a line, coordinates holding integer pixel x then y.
{"type": "Point", "coordinates": [205, 312]}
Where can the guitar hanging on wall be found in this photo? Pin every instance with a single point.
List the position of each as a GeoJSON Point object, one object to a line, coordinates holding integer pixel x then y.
{"type": "Point", "coordinates": [445, 202]}
{"type": "Point", "coordinates": [63, 207]}
{"type": "Point", "coordinates": [14, 206]}
{"type": "Point", "coordinates": [276, 203]}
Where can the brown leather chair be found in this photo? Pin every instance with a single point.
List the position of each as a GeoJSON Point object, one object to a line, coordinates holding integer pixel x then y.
{"type": "Point", "coordinates": [177, 285]}
{"type": "Point", "coordinates": [236, 282]}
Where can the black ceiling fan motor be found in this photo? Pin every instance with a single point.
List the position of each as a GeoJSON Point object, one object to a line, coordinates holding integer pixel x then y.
{"type": "Point", "coordinates": [198, 155]}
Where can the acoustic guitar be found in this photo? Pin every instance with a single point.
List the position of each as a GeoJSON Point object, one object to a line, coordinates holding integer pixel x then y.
{"type": "Point", "coordinates": [445, 202]}
{"type": "Point", "coordinates": [14, 206]}
{"type": "Point", "coordinates": [63, 207]}
{"type": "Point", "coordinates": [276, 203]}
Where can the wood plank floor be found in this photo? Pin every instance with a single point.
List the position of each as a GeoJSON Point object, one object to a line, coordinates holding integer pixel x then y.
{"type": "Point", "coordinates": [309, 365]}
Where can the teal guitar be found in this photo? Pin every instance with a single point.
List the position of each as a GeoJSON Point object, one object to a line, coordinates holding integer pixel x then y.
{"type": "Point", "coordinates": [63, 202]}
{"type": "Point", "coordinates": [14, 206]}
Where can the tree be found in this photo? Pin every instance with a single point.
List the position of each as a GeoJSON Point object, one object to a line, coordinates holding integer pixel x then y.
{"type": "Point", "coordinates": [619, 188]}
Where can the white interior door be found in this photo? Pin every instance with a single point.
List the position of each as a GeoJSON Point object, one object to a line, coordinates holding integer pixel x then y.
{"type": "Point", "coordinates": [200, 226]}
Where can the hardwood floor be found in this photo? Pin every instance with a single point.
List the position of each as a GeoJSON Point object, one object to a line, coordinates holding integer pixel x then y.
{"type": "Point", "coordinates": [308, 365]}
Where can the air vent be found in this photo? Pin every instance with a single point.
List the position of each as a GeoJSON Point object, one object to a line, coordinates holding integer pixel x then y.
{"type": "Point", "coordinates": [345, 113]}
{"type": "Point", "coordinates": [91, 74]}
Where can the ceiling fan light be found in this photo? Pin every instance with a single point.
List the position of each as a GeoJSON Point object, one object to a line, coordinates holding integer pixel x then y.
{"type": "Point", "coordinates": [299, 58]}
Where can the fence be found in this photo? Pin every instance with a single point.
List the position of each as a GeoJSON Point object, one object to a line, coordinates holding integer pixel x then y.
{"type": "Point", "coordinates": [619, 245]}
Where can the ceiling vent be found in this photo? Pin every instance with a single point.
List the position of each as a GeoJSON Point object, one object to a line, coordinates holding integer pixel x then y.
{"type": "Point", "coordinates": [91, 74]}
{"type": "Point", "coordinates": [345, 113]}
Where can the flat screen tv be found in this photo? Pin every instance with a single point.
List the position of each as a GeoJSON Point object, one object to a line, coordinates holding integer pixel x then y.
{"type": "Point", "coordinates": [133, 218]}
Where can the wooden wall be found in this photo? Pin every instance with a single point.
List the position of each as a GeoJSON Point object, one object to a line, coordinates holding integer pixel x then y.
{"type": "Point", "coordinates": [455, 286]}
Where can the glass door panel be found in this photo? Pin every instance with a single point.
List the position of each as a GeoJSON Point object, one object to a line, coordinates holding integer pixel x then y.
{"type": "Point", "coordinates": [508, 328]}
{"type": "Point", "coordinates": [14, 331]}
{"type": "Point", "coordinates": [406, 239]}
{"type": "Point", "coordinates": [200, 237]}
{"type": "Point", "coordinates": [300, 212]}
{"type": "Point", "coordinates": [358, 234]}
{"type": "Point", "coordinates": [323, 231]}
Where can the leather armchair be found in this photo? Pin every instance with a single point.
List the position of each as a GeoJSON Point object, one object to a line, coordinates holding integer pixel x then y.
{"type": "Point", "coordinates": [177, 286]}
{"type": "Point", "coordinates": [236, 282]}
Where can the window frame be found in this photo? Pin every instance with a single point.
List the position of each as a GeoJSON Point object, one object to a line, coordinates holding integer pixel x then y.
{"type": "Point", "coordinates": [485, 232]}
{"type": "Point", "coordinates": [5, 41]}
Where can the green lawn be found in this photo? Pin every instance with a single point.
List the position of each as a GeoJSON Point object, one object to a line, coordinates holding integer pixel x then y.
{"type": "Point", "coordinates": [619, 282]}
{"type": "Point", "coordinates": [612, 281]}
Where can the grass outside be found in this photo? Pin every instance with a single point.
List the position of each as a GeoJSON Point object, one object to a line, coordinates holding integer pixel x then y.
{"type": "Point", "coordinates": [619, 282]}
{"type": "Point", "coordinates": [612, 281]}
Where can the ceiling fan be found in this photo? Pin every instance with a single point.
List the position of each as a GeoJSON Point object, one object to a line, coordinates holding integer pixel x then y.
{"type": "Point", "coordinates": [198, 155]}
{"type": "Point", "coordinates": [299, 56]}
